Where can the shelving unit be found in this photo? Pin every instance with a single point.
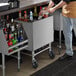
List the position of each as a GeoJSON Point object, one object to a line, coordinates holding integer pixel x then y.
{"type": "Point", "coordinates": [4, 49]}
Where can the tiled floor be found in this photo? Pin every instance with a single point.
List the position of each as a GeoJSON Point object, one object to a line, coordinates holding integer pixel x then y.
{"type": "Point", "coordinates": [26, 67]}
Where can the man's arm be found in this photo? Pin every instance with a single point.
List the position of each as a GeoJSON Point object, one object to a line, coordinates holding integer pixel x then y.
{"type": "Point", "coordinates": [59, 5]}
{"type": "Point", "coordinates": [51, 9]}
{"type": "Point", "coordinates": [51, 4]}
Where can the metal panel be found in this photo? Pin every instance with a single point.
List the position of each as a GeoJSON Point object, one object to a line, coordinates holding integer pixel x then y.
{"type": "Point", "coordinates": [3, 43]}
{"type": "Point", "coordinates": [42, 32]}
{"type": "Point", "coordinates": [3, 1]}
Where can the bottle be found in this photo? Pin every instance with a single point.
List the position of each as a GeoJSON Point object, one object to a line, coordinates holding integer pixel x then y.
{"type": "Point", "coordinates": [14, 31]}
{"type": "Point", "coordinates": [9, 36]}
{"type": "Point", "coordinates": [39, 17]}
{"type": "Point", "coordinates": [19, 15]}
{"type": "Point", "coordinates": [35, 14]}
{"type": "Point", "coordinates": [25, 16]}
{"type": "Point", "coordinates": [8, 32]}
{"type": "Point", "coordinates": [18, 29]}
{"type": "Point", "coordinates": [12, 25]}
{"type": "Point", "coordinates": [8, 23]}
{"type": "Point", "coordinates": [7, 20]}
{"type": "Point", "coordinates": [14, 39]}
{"type": "Point", "coordinates": [10, 50]}
{"type": "Point", "coordinates": [40, 8]}
{"type": "Point", "coordinates": [10, 43]}
{"type": "Point", "coordinates": [31, 16]}
{"type": "Point", "coordinates": [3, 22]}
{"type": "Point", "coordinates": [20, 37]}
{"type": "Point", "coordinates": [45, 14]}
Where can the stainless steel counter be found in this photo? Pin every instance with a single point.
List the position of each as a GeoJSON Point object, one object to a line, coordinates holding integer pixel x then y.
{"type": "Point", "coordinates": [24, 4]}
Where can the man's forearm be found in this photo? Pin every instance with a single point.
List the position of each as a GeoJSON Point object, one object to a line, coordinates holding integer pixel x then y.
{"type": "Point", "coordinates": [59, 5]}
{"type": "Point", "coordinates": [51, 4]}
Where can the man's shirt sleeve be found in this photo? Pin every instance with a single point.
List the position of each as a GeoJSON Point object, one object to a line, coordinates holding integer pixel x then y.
{"type": "Point", "coordinates": [56, 1]}
{"type": "Point", "coordinates": [67, 1]}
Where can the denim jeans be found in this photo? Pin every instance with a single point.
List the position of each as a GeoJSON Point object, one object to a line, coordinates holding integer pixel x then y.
{"type": "Point", "coordinates": [68, 25]}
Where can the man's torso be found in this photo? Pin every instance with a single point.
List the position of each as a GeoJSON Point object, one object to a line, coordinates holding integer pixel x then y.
{"type": "Point", "coordinates": [69, 10]}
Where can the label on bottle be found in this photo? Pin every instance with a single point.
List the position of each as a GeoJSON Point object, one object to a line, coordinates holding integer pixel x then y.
{"type": "Point", "coordinates": [12, 4]}
{"type": "Point", "coordinates": [12, 28]}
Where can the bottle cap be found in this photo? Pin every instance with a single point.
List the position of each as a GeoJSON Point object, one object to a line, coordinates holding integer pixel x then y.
{"type": "Point", "coordinates": [24, 11]}
{"type": "Point", "coordinates": [12, 20]}
{"type": "Point", "coordinates": [19, 11]}
{"type": "Point", "coordinates": [40, 7]}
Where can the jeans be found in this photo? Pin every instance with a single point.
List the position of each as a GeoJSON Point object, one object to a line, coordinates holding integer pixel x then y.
{"type": "Point", "coordinates": [68, 25]}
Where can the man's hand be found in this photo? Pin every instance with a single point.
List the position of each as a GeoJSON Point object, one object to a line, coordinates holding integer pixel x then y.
{"type": "Point", "coordinates": [51, 10]}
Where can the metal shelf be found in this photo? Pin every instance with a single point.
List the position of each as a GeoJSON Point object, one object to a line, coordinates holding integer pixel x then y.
{"type": "Point", "coordinates": [24, 5]}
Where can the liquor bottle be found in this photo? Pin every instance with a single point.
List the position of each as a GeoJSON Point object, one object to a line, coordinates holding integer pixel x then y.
{"type": "Point", "coordinates": [8, 32]}
{"type": "Point", "coordinates": [40, 8]}
{"type": "Point", "coordinates": [19, 15]}
{"type": "Point", "coordinates": [8, 27]}
{"type": "Point", "coordinates": [25, 16]}
{"type": "Point", "coordinates": [10, 50]}
{"type": "Point", "coordinates": [14, 39]}
{"type": "Point", "coordinates": [18, 29]}
{"type": "Point", "coordinates": [10, 36]}
{"type": "Point", "coordinates": [11, 29]}
{"type": "Point", "coordinates": [3, 22]}
{"type": "Point", "coordinates": [12, 25]}
{"type": "Point", "coordinates": [20, 33]}
{"type": "Point", "coordinates": [40, 16]}
{"type": "Point", "coordinates": [3, 26]}
{"type": "Point", "coordinates": [45, 14]}
{"type": "Point", "coordinates": [35, 14]}
{"type": "Point", "coordinates": [15, 34]}
{"type": "Point", "coordinates": [10, 43]}
{"type": "Point", "coordinates": [31, 16]}
{"type": "Point", "coordinates": [8, 23]}
{"type": "Point", "coordinates": [14, 31]}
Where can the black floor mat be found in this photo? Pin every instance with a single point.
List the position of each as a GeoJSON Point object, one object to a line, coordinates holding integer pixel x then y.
{"type": "Point", "coordinates": [59, 68]}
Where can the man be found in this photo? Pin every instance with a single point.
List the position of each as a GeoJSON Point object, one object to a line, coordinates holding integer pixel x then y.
{"type": "Point", "coordinates": [69, 22]}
